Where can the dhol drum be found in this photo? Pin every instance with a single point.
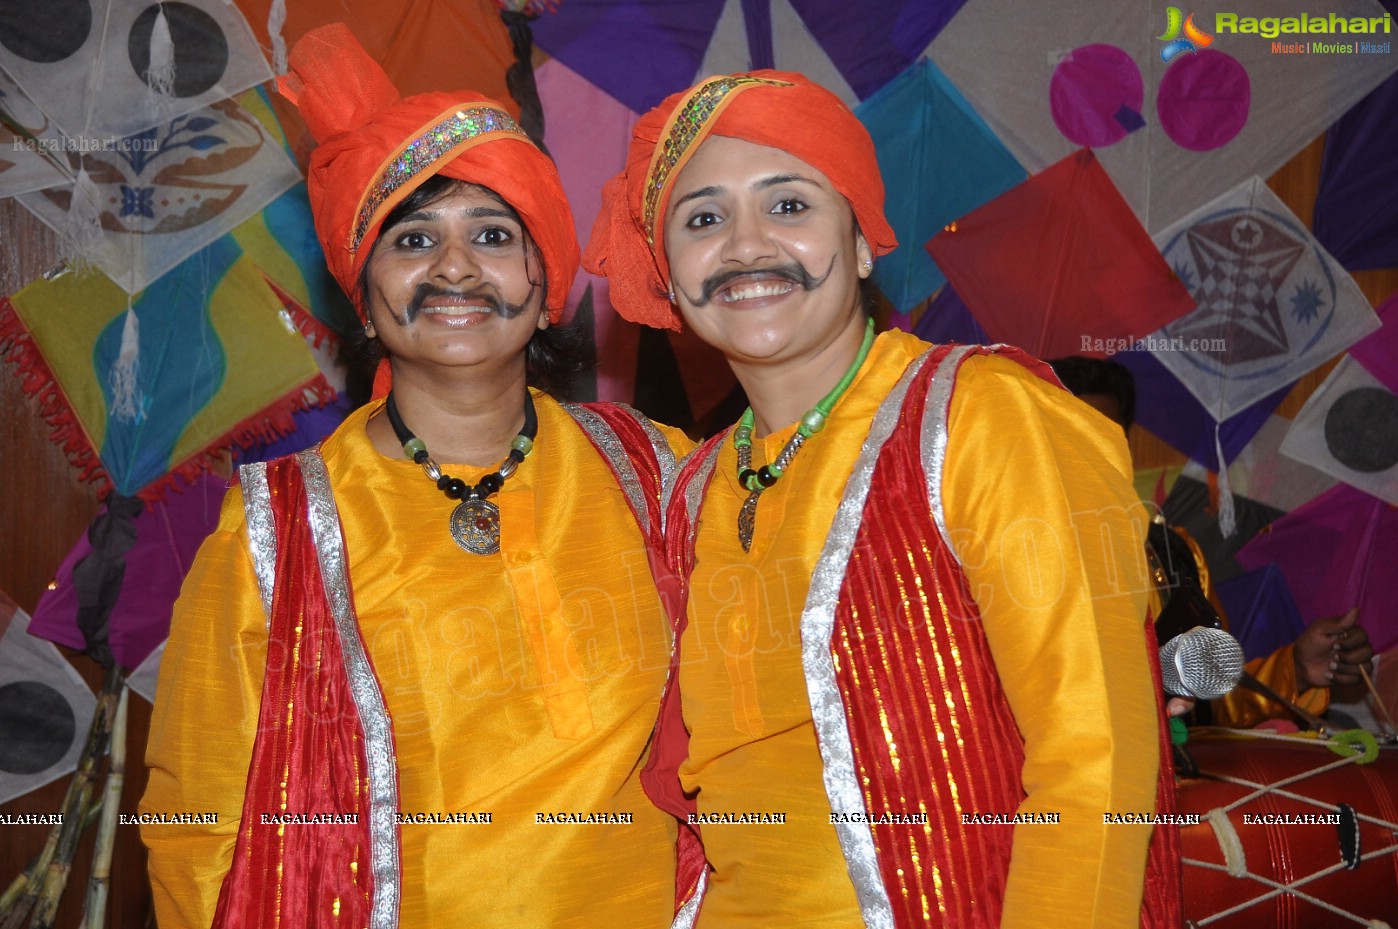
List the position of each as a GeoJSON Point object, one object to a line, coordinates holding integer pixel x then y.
{"type": "Point", "coordinates": [1291, 835]}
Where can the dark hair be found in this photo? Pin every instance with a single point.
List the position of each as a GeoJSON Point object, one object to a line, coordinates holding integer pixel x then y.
{"type": "Point", "coordinates": [1099, 376]}
{"type": "Point", "coordinates": [554, 357]}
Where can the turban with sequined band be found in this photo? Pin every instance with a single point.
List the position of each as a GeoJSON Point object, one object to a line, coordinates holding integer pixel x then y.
{"type": "Point", "coordinates": [778, 109]}
{"type": "Point", "coordinates": [375, 148]}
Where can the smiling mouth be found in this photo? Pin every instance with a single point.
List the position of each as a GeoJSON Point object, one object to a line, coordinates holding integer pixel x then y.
{"type": "Point", "coordinates": [755, 290]}
{"type": "Point", "coordinates": [456, 309]}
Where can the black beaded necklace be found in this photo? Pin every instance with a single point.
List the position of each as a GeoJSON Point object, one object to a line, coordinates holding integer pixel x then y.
{"type": "Point", "coordinates": [475, 523]}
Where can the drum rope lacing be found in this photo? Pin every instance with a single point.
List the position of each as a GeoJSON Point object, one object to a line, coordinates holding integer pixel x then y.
{"type": "Point", "coordinates": [1360, 751]}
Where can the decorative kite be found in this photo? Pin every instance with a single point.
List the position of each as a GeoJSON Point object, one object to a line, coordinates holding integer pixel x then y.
{"type": "Point", "coordinates": [204, 359]}
{"type": "Point", "coordinates": [939, 162]}
{"type": "Point", "coordinates": [1272, 304]}
{"type": "Point", "coordinates": [1262, 473]}
{"type": "Point", "coordinates": [1085, 280]}
{"type": "Point", "coordinates": [167, 534]}
{"type": "Point", "coordinates": [1349, 429]}
{"type": "Point", "coordinates": [29, 156]}
{"type": "Point", "coordinates": [44, 708]}
{"type": "Point", "coordinates": [1378, 352]}
{"type": "Point", "coordinates": [1337, 553]}
{"type": "Point", "coordinates": [1356, 207]}
{"type": "Point", "coordinates": [423, 46]}
{"type": "Point", "coordinates": [946, 319]}
{"type": "Point", "coordinates": [167, 192]}
{"type": "Point", "coordinates": [641, 53]}
{"type": "Point", "coordinates": [1166, 408]}
{"type": "Point", "coordinates": [1262, 614]}
{"type": "Point", "coordinates": [105, 71]}
{"type": "Point", "coordinates": [1193, 506]}
{"type": "Point", "coordinates": [1053, 77]}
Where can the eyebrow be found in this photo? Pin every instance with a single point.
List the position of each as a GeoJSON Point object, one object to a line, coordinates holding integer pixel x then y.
{"type": "Point", "coordinates": [475, 212]}
{"type": "Point", "coordinates": [775, 180]}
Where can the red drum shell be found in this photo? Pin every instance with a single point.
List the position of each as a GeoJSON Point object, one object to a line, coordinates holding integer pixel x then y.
{"type": "Point", "coordinates": [1289, 853]}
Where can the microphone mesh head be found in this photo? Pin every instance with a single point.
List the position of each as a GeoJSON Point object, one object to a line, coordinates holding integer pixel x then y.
{"type": "Point", "coordinates": [1202, 663]}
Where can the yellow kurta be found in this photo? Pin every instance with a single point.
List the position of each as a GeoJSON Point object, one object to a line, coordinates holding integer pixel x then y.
{"type": "Point", "coordinates": [1068, 644]}
{"type": "Point", "coordinates": [519, 683]}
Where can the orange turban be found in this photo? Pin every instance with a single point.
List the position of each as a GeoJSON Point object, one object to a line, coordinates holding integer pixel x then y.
{"type": "Point", "coordinates": [375, 148]}
{"type": "Point", "coordinates": [778, 109]}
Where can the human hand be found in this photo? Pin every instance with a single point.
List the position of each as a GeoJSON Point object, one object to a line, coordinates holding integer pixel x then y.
{"type": "Point", "coordinates": [1178, 706]}
{"type": "Point", "coordinates": [1330, 652]}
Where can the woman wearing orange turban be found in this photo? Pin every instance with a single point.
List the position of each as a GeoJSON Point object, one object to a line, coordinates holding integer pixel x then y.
{"type": "Point", "coordinates": [412, 673]}
{"type": "Point", "coordinates": [916, 591]}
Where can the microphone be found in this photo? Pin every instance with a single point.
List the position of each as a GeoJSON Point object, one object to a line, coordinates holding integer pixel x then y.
{"type": "Point", "coordinates": [1203, 663]}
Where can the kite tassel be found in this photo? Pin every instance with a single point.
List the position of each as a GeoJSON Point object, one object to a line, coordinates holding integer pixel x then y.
{"type": "Point", "coordinates": [1227, 515]}
{"type": "Point", "coordinates": [126, 372]}
{"type": "Point", "coordinates": [82, 228]}
{"type": "Point", "coordinates": [276, 22]}
{"type": "Point", "coordinates": [160, 75]}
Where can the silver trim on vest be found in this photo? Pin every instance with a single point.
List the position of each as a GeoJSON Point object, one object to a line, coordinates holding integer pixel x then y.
{"type": "Point", "coordinates": [817, 627]}
{"type": "Point", "coordinates": [694, 492]}
{"type": "Point", "coordinates": [610, 443]}
{"type": "Point", "coordinates": [689, 913]}
{"type": "Point", "coordinates": [262, 530]}
{"type": "Point", "coordinates": [664, 454]}
{"type": "Point", "coordinates": [364, 688]}
{"type": "Point", "coordinates": [935, 416]}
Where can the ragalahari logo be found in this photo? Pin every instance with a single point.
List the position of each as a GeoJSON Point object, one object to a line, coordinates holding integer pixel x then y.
{"type": "Point", "coordinates": [1181, 35]}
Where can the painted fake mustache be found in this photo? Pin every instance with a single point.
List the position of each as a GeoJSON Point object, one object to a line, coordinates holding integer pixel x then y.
{"type": "Point", "coordinates": [492, 300]}
{"type": "Point", "coordinates": [793, 272]}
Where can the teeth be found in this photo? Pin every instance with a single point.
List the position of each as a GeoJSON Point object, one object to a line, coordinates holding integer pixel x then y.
{"type": "Point", "coordinates": [455, 310]}
{"type": "Point", "coordinates": [753, 291]}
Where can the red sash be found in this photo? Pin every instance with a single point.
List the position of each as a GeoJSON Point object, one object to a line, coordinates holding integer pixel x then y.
{"type": "Point", "coordinates": [309, 738]}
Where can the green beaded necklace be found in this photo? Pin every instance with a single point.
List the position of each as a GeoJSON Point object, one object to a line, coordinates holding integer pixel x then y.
{"type": "Point", "coordinates": [757, 481]}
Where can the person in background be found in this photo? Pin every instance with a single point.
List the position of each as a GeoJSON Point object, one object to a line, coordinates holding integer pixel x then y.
{"type": "Point", "coordinates": [911, 568]}
{"type": "Point", "coordinates": [1328, 654]}
{"type": "Point", "coordinates": [414, 672]}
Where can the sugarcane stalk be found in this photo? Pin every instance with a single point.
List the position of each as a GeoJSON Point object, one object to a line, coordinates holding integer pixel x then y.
{"type": "Point", "coordinates": [55, 878]}
{"type": "Point", "coordinates": [29, 877]}
{"type": "Point", "coordinates": [95, 909]}
{"type": "Point", "coordinates": [28, 880]}
{"type": "Point", "coordinates": [18, 899]}
{"type": "Point", "coordinates": [20, 896]}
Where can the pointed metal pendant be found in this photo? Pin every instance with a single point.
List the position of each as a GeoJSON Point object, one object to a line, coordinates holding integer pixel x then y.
{"type": "Point", "coordinates": [747, 521]}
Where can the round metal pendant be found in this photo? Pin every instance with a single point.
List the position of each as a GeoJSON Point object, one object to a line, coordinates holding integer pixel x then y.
{"type": "Point", "coordinates": [475, 525]}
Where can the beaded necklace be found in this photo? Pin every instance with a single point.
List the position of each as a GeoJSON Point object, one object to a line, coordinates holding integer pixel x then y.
{"type": "Point", "coordinates": [757, 481]}
{"type": "Point", "coordinates": [475, 523]}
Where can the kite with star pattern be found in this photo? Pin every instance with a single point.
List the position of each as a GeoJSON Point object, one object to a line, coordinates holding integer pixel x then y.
{"type": "Point", "coordinates": [1271, 304]}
